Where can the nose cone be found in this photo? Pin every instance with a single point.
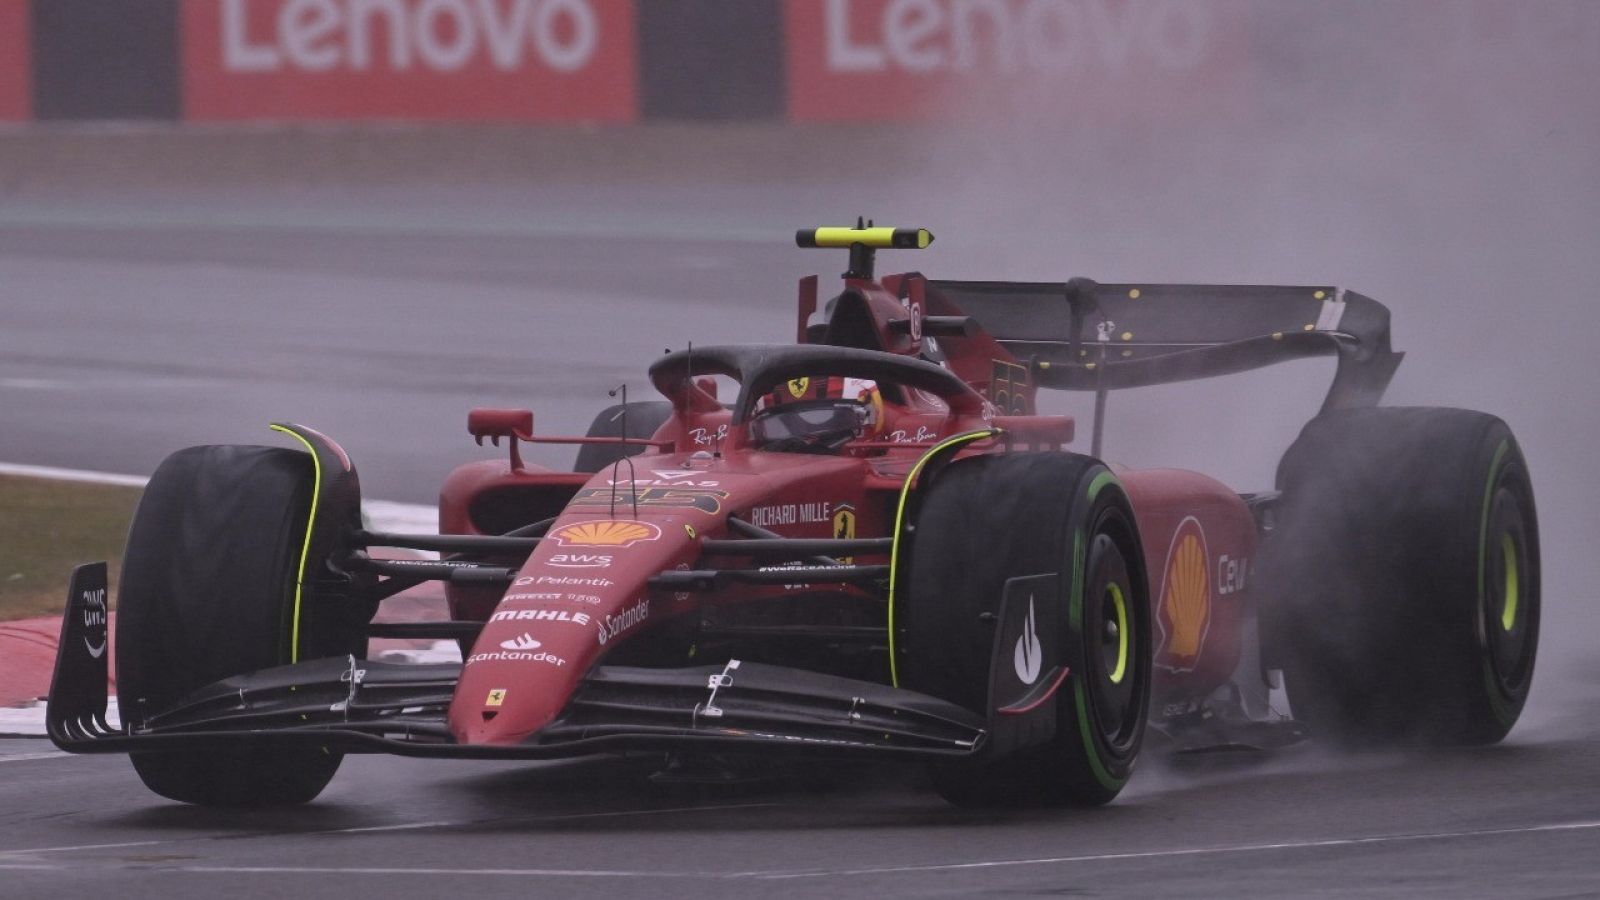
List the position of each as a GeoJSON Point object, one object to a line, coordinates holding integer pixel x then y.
{"type": "Point", "coordinates": [581, 593]}
{"type": "Point", "coordinates": [520, 673]}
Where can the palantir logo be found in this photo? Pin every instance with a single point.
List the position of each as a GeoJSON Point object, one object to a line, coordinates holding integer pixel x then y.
{"type": "Point", "coordinates": [525, 642]}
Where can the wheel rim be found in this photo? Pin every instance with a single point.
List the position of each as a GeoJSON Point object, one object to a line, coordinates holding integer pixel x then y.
{"type": "Point", "coordinates": [1513, 582]}
{"type": "Point", "coordinates": [1115, 637]}
{"type": "Point", "coordinates": [1510, 598]}
{"type": "Point", "coordinates": [1109, 637]}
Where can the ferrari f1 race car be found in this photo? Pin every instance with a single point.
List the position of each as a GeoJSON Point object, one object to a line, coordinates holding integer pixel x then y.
{"type": "Point", "coordinates": [866, 544]}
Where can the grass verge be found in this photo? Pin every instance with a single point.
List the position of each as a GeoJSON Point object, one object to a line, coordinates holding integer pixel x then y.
{"type": "Point", "coordinates": [46, 528]}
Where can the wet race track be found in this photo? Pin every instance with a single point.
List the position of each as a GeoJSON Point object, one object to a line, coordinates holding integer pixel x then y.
{"type": "Point", "coordinates": [1519, 820]}
{"type": "Point", "coordinates": [138, 324]}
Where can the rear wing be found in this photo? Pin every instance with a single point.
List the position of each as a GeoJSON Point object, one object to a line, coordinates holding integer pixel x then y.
{"type": "Point", "coordinates": [1084, 336]}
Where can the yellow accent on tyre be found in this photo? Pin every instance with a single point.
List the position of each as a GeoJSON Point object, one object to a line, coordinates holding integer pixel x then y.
{"type": "Point", "coordinates": [305, 545]}
{"type": "Point", "coordinates": [1122, 632]}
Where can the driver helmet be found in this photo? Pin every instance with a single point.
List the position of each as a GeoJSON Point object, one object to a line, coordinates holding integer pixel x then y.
{"type": "Point", "coordinates": [822, 413]}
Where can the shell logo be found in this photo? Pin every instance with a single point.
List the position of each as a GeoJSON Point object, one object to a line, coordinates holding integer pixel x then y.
{"type": "Point", "coordinates": [1185, 610]}
{"type": "Point", "coordinates": [605, 533]}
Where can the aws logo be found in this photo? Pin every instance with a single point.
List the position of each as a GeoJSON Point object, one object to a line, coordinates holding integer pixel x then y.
{"type": "Point", "coordinates": [580, 560]}
{"type": "Point", "coordinates": [1185, 610]}
{"type": "Point", "coordinates": [606, 533]}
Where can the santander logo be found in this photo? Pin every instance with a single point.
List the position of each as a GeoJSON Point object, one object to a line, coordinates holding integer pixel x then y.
{"type": "Point", "coordinates": [403, 35]}
{"type": "Point", "coordinates": [525, 642]}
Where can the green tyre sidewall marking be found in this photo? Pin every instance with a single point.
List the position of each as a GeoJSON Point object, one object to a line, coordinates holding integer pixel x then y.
{"type": "Point", "coordinates": [1105, 778]}
{"type": "Point", "coordinates": [1491, 682]}
{"type": "Point", "coordinates": [1075, 601]}
{"type": "Point", "coordinates": [1075, 610]}
{"type": "Point", "coordinates": [1099, 481]}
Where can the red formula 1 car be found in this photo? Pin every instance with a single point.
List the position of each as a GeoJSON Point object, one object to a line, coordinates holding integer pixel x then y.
{"type": "Point", "coordinates": [867, 543]}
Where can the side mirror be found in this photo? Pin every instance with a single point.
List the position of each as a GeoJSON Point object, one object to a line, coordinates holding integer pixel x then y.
{"type": "Point", "coordinates": [495, 424]}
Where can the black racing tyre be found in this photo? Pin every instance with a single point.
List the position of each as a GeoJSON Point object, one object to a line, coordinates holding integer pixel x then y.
{"type": "Point", "coordinates": [643, 418]}
{"type": "Point", "coordinates": [207, 592]}
{"type": "Point", "coordinates": [1400, 582]}
{"type": "Point", "coordinates": [987, 519]}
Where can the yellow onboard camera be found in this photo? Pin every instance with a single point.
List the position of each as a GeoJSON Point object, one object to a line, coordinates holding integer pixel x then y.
{"type": "Point", "coordinates": [863, 241]}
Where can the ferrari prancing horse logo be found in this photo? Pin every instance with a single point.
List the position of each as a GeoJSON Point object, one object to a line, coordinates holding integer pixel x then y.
{"type": "Point", "coordinates": [844, 527]}
{"type": "Point", "coordinates": [798, 387]}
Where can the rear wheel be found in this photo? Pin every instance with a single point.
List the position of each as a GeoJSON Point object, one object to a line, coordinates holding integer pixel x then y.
{"type": "Point", "coordinates": [1401, 582]}
{"type": "Point", "coordinates": [207, 592]}
{"type": "Point", "coordinates": [985, 521]}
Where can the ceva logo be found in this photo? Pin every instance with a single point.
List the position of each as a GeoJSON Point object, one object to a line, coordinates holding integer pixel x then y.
{"type": "Point", "coordinates": [399, 35]}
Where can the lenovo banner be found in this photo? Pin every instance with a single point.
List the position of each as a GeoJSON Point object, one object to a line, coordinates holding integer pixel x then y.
{"type": "Point", "coordinates": [481, 60]}
{"type": "Point", "coordinates": [15, 67]}
{"type": "Point", "coordinates": [981, 59]}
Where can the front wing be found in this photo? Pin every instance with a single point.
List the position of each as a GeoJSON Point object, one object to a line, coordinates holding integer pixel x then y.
{"type": "Point", "coordinates": [354, 705]}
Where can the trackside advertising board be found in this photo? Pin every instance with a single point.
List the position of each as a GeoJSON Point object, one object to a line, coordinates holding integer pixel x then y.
{"type": "Point", "coordinates": [467, 60]}
{"type": "Point", "coordinates": [855, 60]}
{"type": "Point", "coordinates": [15, 67]}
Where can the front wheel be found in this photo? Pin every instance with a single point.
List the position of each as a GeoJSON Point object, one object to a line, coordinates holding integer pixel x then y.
{"type": "Point", "coordinates": [990, 520]}
{"type": "Point", "coordinates": [639, 419]}
{"type": "Point", "coordinates": [209, 591]}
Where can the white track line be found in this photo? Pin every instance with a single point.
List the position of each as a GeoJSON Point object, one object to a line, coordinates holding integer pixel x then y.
{"type": "Point", "coordinates": [379, 224]}
{"type": "Point", "coordinates": [121, 845]}
{"type": "Point", "coordinates": [368, 829]}
{"type": "Point", "coordinates": [564, 817]}
{"type": "Point", "coordinates": [379, 870]}
{"type": "Point", "coordinates": [28, 721]}
{"type": "Point", "coordinates": [385, 515]}
{"type": "Point", "coordinates": [24, 757]}
{"type": "Point", "coordinates": [1193, 851]}
{"type": "Point", "coordinates": [55, 474]}
{"type": "Point", "coordinates": [943, 867]}
{"type": "Point", "coordinates": [381, 515]}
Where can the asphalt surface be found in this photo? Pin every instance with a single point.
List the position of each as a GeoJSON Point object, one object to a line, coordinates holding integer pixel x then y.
{"type": "Point", "coordinates": [126, 339]}
{"type": "Point", "coordinates": [1517, 820]}
{"type": "Point", "coordinates": [142, 319]}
